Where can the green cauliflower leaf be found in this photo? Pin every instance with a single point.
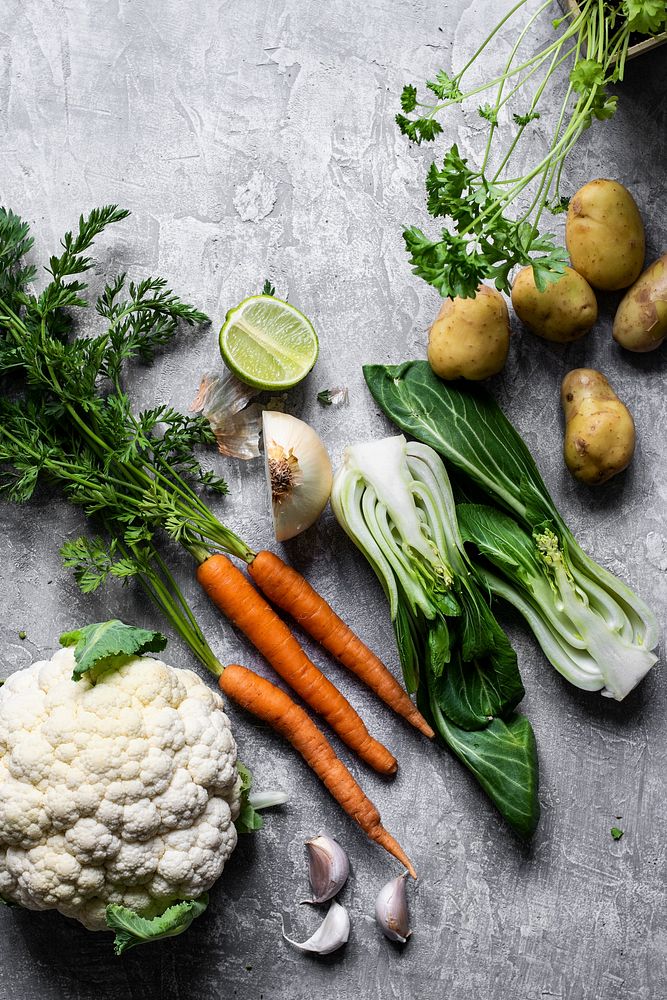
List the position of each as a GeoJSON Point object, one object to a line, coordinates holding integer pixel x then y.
{"type": "Point", "coordinates": [107, 645]}
{"type": "Point", "coordinates": [132, 930]}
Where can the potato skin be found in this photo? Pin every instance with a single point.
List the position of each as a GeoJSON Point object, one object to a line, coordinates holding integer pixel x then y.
{"type": "Point", "coordinates": [565, 311]}
{"type": "Point", "coordinates": [599, 429]}
{"type": "Point", "coordinates": [604, 234]}
{"type": "Point", "coordinates": [470, 338]}
{"type": "Point", "coordinates": [640, 323]}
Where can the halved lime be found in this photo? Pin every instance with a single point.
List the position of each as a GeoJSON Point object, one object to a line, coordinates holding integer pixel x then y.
{"type": "Point", "coordinates": [268, 343]}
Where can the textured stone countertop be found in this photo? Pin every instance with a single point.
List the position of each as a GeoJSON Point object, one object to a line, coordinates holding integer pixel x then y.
{"type": "Point", "coordinates": [256, 138]}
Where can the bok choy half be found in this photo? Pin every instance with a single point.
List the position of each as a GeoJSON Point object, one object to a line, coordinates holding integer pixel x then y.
{"type": "Point", "coordinates": [395, 502]}
{"type": "Point", "coordinates": [591, 626]}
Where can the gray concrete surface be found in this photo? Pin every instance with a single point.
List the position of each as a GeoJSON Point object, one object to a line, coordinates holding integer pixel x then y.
{"type": "Point", "coordinates": [256, 138]}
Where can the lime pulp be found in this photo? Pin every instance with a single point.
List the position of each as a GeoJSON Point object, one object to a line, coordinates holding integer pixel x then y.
{"type": "Point", "coordinates": [267, 343]}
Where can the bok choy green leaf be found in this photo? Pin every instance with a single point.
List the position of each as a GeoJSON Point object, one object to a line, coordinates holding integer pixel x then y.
{"type": "Point", "coordinates": [395, 502]}
{"type": "Point", "coordinates": [592, 627]}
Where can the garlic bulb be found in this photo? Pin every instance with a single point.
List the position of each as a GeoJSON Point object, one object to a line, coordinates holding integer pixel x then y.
{"type": "Point", "coordinates": [329, 868]}
{"type": "Point", "coordinates": [391, 910]}
{"type": "Point", "coordinates": [332, 933]}
{"type": "Point", "coordinates": [298, 473]}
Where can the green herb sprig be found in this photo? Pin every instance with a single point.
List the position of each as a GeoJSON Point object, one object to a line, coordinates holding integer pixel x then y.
{"type": "Point", "coordinates": [72, 422]}
{"type": "Point", "coordinates": [486, 238]}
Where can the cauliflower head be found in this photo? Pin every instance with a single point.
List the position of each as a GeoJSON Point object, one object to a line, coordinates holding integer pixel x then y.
{"type": "Point", "coordinates": [124, 791]}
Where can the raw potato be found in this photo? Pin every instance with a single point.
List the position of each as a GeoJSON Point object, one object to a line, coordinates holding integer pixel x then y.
{"type": "Point", "coordinates": [640, 323]}
{"type": "Point", "coordinates": [599, 429]}
{"type": "Point", "coordinates": [564, 311]}
{"type": "Point", "coordinates": [470, 338]}
{"type": "Point", "coordinates": [604, 234]}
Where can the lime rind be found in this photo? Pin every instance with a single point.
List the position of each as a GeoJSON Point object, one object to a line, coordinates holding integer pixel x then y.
{"type": "Point", "coordinates": [267, 343]}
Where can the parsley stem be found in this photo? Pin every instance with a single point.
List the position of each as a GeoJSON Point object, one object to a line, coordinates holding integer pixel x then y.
{"type": "Point", "coordinates": [533, 105]}
{"type": "Point", "coordinates": [571, 31]}
{"type": "Point", "coordinates": [499, 103]}
{"type": "Point", "coordinates": [494, 209]}
{"type": "Point", "coordinates": [489, 38]}
{"type": "Point", "coordinates": [545, 185]}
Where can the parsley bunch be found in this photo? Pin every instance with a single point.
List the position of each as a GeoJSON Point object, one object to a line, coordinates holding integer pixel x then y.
{"type": "Point", "coordinates": [484, 238]}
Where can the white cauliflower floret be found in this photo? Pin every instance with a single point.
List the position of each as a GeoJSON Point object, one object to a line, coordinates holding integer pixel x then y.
{"type": "Point", "coordinates": [123, 791]}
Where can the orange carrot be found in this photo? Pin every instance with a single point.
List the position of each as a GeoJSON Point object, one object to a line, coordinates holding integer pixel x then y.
{"type": "Point", "coordinates": [291, 592]}
{"type": "Point", "coordinates": [236, 597]}
{"type": "Point", "coordinates": [267, 702]}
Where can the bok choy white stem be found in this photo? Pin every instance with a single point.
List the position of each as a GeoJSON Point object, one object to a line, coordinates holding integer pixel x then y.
{"type": "Point", "coordinates": [589, 642]}
{"type": "Point", "coordinates": [395, 502]}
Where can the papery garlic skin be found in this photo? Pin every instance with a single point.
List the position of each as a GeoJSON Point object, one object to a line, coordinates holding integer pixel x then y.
{"type": "Point", "coordinates": [223, 400]}
{"type": "Point", "coordinates": [339, 396]}
{"type": "Point", "coordinates": [329, 868]}
{"type": "Point", "coordinates": [391, 910]}
{"type": "Point", "coordinates": [331, 935]}
{"type": "Point", "coordinates": [298, 472]}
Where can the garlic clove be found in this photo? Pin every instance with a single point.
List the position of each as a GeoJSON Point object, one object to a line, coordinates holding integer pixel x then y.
{"type": "Point", "coordinates": [391, 910]}
{"type": "Point", "coordinates": [329, 868]}
{"type": "Point", "coordinates": [298, 473]}
{"type": "Point", "coordinates": [332, 933]}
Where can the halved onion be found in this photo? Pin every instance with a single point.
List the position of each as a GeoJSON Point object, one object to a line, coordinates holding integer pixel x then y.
{"type": "Point", "coordinates": [298, 473]}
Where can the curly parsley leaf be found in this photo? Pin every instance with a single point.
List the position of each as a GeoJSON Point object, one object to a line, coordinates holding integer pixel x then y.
{"type": "Point", "coordinates": [426, 127]}
{"type": "Point", "coordinates": [482, 242]}
{"type": "Point", "coordinates": [420, 129]}
{"type": "Point", "coordinates": [446, 263]}
{"type": "Point", "coordinates": [449, 187]}
{"type": "Point", "coordinates": [409, 98]}
{"type": "Point", "coordinates": [586, 74]}
{"type": "Point", "coordinates": [603, 107]}
{"type": "Point", "coordinates": [646, 17]}
{"type": "Point", "coordinates": [559, 204]}
{"type": "Point", "coordinates": [530, 116]}
{"type": "Point", "coordinates": [445, 87]}
{"type": "Point", "coordinates": [489, 113]}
